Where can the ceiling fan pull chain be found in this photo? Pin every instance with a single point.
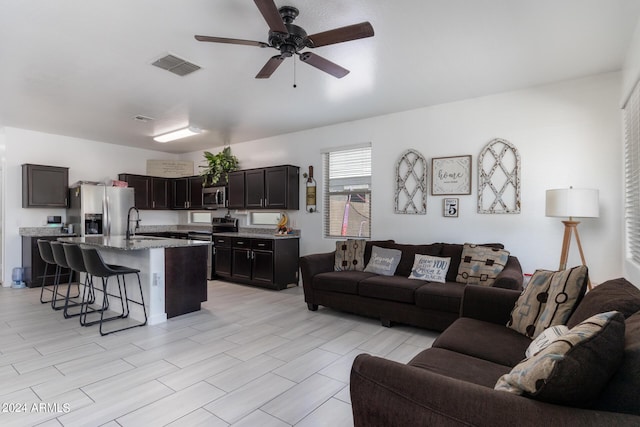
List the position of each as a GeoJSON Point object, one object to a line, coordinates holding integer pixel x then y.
{"type": "Point", "coordinates": [294, 72]}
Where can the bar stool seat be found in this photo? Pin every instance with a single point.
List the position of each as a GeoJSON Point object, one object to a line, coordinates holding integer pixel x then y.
{"type": "Point", "coordinates": [75, 260]}
{"type": "Point", "coordinates": [46, 253]}
{"type": "Point", "coordinates": [61, 259]}
{"type": "Point", "coordinates": [96, 267]}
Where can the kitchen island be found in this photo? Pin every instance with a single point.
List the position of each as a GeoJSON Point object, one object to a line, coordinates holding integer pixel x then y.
{"type": "Point", "coordinates": [173, 272]}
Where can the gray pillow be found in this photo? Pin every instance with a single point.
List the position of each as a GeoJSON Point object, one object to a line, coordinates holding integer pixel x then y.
{"type": "Point", "coordinates": [383, 261]}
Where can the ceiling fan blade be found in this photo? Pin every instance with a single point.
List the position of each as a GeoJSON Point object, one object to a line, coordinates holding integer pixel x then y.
{"type": "Point", "coordinates": [270, 14]}
{"type": "Point", "coordinates": [231, 41]}
{"type": "Point", "coordinates": [342, 34]}
{"type": "Point", "coordinates": [323, 64]}
{"type": "Point", "coordinates": [272, 64]}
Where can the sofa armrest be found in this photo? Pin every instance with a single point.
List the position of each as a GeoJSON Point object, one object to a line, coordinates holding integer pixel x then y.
{"type": "Point", "coordinates": [511, 276]}
{"type": "Point", "coordinates": [387, 393]}
{"type": "Point", "coordinates": [310, 265]}
{"type": "Point", "coordinates": [488, 304]}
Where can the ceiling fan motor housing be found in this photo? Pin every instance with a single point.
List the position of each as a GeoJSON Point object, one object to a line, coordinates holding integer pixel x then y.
{"type": "Point", "coordinates": [290, 43]}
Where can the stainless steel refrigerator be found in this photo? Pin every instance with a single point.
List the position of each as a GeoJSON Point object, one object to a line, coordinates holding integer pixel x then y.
{"type": "Point", "coordinates": [99, 209]}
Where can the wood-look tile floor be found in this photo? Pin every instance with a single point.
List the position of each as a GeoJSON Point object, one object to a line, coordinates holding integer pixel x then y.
{"type": "Point", "coordinates": [250, 357]}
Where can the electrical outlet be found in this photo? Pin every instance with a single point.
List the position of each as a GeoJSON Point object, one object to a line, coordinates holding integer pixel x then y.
{"type": "Point", "coordinates": [156, 279]}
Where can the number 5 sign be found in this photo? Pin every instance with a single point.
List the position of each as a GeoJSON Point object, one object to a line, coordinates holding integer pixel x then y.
{"type": "Point", "coordinates": [451, 207]}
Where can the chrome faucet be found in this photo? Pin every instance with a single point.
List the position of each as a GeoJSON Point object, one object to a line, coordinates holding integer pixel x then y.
{"type": "Point", "coordinates": [137, 220]}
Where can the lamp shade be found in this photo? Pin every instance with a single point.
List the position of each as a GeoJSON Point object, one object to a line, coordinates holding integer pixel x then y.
{"type": "Point", "coordinates": [573, 202]}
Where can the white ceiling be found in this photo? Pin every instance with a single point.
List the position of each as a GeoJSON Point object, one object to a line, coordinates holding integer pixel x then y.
{"type": "Point", "coordinates": [82, 68]}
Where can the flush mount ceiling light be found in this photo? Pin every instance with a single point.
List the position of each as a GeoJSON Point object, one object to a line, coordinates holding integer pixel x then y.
{"type": "Point", "coordinates": [177, 134]}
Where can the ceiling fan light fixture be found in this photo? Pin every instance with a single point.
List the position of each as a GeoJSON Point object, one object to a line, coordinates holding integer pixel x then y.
{"type": "Point", "coordinates": [178, 134]}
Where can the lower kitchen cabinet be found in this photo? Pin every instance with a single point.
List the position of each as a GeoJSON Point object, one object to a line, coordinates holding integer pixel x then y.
{"type": "Point", "coordinates": [270, 263]}
{"type": "Point", "coordinates": [185, 278]}
{"type": "Point", "coordinates": [34, 265]}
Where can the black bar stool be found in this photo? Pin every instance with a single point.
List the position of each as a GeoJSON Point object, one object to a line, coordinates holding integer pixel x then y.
{"type": "Point", "coordinates": [96, 267]}
{"type": "Point", "coordinates": [46, 253]}
{"type": "Point", "coordinates": [61, 259]}
{"type": "Point", "coordinates": [75, 260]}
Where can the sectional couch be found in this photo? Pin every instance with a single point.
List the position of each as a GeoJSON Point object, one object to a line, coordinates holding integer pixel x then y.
{"type": "Point", "coordinates": [452, 383]}
{"type": "Point", "coordinates": [396, 298]}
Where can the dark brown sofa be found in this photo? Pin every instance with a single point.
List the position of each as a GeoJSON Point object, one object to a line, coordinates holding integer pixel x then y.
{"type": "Point", "coordinates": [451, 383]}
{"type": "Point", "coordinates": [395, 298]}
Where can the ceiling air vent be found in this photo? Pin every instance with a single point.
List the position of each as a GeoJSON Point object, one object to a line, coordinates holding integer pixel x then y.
{"type": "Point", "coordinates": [142, 118]}
{"type": "Point", "coordinates": [176, 65]}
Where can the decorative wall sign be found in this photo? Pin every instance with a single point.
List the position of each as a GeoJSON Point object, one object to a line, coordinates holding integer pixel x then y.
{"type": "Point", "coordinates": [451, 175]}
{"type": "Point", "coordinates": [170, 168]}
{"type": "Point", "coordinates": [499, 178]}
{"type": "Point", "coordinates": [411, 183]}
{"type": "Point", "coordinates": [450, 208]}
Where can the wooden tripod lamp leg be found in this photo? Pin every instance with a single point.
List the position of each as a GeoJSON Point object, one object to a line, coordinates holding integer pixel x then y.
{"type": "Point", "coordinates": [569, 228]}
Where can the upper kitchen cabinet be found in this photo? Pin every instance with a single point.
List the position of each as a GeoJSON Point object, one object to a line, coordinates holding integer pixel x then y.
{"type": "Point", "coordinates": [150, 192]}
{"type": "Point", "coordinates": [267, 188]}
{"type": "Point", "coordinates": [44, 186]}
{"type": "Point", "coordinates": [187, 193]}
{"type": "Point", "coordinates": [236, 190]}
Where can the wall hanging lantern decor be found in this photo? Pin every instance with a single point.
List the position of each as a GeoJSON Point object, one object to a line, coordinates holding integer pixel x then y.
{"type": "Point", "coordinates": [499, 178]}
{"type": "Point", "coordinates": [411, 183]}
{"type": "Point", "coordinates": [451, 175]}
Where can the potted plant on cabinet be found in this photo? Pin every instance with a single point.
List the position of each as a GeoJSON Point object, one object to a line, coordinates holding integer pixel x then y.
{"type": "Point", "coordinates": [218, 166]}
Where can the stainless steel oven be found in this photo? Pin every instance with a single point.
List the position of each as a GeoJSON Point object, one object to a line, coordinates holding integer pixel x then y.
{"type": "Point", "coordinates": [214, 197]}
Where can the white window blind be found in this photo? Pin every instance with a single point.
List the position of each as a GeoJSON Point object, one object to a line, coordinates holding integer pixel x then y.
{"type": "Point", "coordinates": [631, 117]}
{"type": "Point", "coordinates": [347, 192]}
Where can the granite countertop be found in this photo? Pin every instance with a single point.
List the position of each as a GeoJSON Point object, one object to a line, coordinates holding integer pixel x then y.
{"type": "Point", "coordinates": [43, 231]}
{"type": "Point", "coordinates": [252, 235]}
{"type": "Point", "coordinates": [135, 243]}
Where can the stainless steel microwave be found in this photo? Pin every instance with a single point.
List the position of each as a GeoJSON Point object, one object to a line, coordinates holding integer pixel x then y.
{"type": "Point", "coordinates": [214, 197]}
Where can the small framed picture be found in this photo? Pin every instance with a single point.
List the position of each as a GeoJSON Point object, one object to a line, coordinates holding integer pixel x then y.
{"type": "Point", "coordinates": [450, 208]}
{"type": "Point", "coordinates": [450, 175]}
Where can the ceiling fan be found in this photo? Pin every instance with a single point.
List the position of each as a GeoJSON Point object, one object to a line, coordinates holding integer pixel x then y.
{"type": "Point", "coordinates": [291, 39]}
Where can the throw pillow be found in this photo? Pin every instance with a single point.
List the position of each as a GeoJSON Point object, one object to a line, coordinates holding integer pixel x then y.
{"type": "Point", "coordinates": [431, 268]}
{"type": "Point", "coordinates": [349, 255]}
{"type": "Point", "coordinates": [481, 265]}
{"type": "Point", "coordinates": [548, 300]}
{"type": "Point", "coordinates": [543, 340]}
{"type": "Point", "coordinates": [575, 368]}
{"type": "Point", "coordinates": [383, 261]}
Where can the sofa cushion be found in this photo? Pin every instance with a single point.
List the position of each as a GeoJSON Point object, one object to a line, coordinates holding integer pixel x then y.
{"type": "Point", "coordinates": [349, 255]}
{"type": "Point", "coordinates": [548, 300]}
{"type": "Point", "coordinates": [488, 341]}
{"type": "Point", "coordinates": [454, 251]}
{"type": "Point", "coordinates": [575, 368]}
{"type": "Point", "coordinates": [480, 264]}
{"type": "Point", "coordinates": [621, 393]}
{"type": "Point", "coordinates": [383, 261]}
{"type": "Point", "coordinates": [440, 296]}
{"type": "Point", "coordinates": [460, 366]}
{"type": "Point", "coordinates": [545, 339]}
{"type": "Point", "coordinates": [612, 295]}
{"type": "Point", "coordinates": [390, 288]}
{"type": "Point", "coordinates": [344, 282]}
{"type": "Point", "coordinates": [431, 268]}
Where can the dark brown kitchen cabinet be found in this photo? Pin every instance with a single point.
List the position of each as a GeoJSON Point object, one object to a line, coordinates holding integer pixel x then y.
{"type": "Point", "coordinates": [44, 186]}
{"type": "Point", "coordinates": [150, 192]}
{"type": "Point", "coordinates": [222, 260]}
{"type": "Point", "coordinates": [254, 189]}
{"type": "Point", "coordinates": [236, 190]}
{"type": "Point", "coordinates": [266, 188]}
{"type": "Point", "coordinates": [187, 193]}
{"type": "Point", "coordinates": [34, 265]}
{"type": "Point", "coordinates": [185, 279]}
{"type": "Point", "coordinates": [270, 263]}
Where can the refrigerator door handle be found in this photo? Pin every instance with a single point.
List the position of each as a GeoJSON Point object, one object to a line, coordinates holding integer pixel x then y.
{"type": "Point", "coordinates": [107, 216]}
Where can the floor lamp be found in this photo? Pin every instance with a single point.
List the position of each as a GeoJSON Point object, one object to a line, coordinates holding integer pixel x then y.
{"type": "Point", "coordinates": [572, 203]}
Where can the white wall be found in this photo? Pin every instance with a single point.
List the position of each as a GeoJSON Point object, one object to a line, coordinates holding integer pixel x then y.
{"type": "Point", "coordinates": [86, 160]}
{"type": "Point", "coordinates": [567, 133]}
{"type": "Point", "coordinates": [631, 77]}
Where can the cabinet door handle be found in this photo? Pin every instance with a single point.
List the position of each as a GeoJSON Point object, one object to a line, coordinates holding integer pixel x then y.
{"type": "Point", "coordinates": [248, 255]}
{"type": "Point", "coordinates": [153, 204]}
{"type": "Point", "coordinates": [261, 245]}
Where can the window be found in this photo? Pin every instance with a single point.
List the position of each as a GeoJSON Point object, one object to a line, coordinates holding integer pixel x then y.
{"type": "Point", "coordinates": [631, 117]}
{"type": "Point", "coordinates": [347, 192]}
{"type": "Point", "coordinates": [200, 217]}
